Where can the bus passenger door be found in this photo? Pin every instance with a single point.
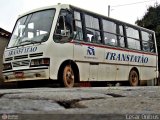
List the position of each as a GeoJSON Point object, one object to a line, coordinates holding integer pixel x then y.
{"type": "Point", "coordinates": [122, 60]}
{"type": "Point", "coordinates": [122, 68]}
{"type": "Point", "coordinates": [93, 73]}
{"type": "Point", "coordinates": [86, 59]}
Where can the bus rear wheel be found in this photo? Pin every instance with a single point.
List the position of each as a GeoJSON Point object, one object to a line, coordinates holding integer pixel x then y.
{"type": "Point", "coordinates": [68, 76]}
{"type": "Point", "coordinates": [133, 78]}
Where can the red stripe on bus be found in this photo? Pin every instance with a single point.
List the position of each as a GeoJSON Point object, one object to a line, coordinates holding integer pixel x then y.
{"type": "Point", "coordinates": [102, 46]}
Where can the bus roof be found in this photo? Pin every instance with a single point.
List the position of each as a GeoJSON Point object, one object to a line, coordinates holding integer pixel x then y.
{"type": "Point", "coordinates": [68, 6]}
{"type": "Point", "coordinates": [65, 6]}
{"type": "Point", "coordinates": [112, 19]}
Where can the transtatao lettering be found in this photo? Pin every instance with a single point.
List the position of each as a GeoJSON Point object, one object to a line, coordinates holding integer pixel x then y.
{"type": "Point", "coordinates": [22, 50]}
{"type": "Point", "coordinates": [126, 57]}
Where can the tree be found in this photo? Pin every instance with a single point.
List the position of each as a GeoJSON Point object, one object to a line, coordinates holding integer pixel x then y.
{"type": "Point", "coordinates": [151, 20]}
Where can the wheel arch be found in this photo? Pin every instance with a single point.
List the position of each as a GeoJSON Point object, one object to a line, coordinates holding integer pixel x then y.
{"type": "Point", "coordinates": [73, 65]}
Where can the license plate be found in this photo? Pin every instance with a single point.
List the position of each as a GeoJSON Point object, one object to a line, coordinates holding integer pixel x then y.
{"type": "Point", "coordinates": [19, 74]}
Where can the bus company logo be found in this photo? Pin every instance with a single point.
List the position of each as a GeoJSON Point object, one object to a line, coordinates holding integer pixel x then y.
{"type": "Point", "coordinates": [91, 51]}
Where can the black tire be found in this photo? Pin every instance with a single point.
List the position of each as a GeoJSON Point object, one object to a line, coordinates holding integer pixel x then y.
{"type": "Point", "coordinates": [133, 78]}
{"type": "Point", "coordinates": [158, 81]}
{"type": "Point", "coordinates": [68, 77]}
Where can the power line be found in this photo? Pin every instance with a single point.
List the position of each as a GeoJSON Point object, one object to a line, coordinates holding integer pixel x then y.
{"type": "Point", "coordinates": [133, 3]}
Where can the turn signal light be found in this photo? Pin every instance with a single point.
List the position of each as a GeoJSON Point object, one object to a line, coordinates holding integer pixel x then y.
{"type": "Point", "coordinates": [40, 62]}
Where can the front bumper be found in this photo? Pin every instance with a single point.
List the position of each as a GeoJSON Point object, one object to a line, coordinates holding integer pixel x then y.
{"type": "Point", "coordinates": [38, 73]}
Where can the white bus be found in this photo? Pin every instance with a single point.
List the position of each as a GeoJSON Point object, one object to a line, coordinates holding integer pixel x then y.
{"type": "Point", "coordinates": [72, 45]}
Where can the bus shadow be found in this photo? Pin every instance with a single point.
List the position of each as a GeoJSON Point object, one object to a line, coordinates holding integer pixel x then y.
{"type": "Point", "coordinates": [29, 84]}
{"type": "Point", "coordinates": [54, 84]}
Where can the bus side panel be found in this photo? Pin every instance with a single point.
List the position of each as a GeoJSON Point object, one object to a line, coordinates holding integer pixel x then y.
{"type": "Point", "coordinates": [83, 71]}
{"type": "Point", "coordinates": [122, 73]}
{"type": "Point", "coordinates": [122, 66]}
{"type": "Point", "coordinates": [83, 56]}
{"type": "Point", "coordinates": [116, 64]}
{"type": "Point", "coordinates": [135, 61]}
{"type": "Point", "coordinates": [106, 72]}
{"type": "Point", "coordinates": [89, 58]}
{"type": "Point", "coordinates": [60, 53]}
{"type": "Point", "coordinates": [148, 72]}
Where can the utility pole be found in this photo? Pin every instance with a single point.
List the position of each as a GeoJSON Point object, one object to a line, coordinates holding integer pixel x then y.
{"type": "Point", "coordinates": [109, 9]}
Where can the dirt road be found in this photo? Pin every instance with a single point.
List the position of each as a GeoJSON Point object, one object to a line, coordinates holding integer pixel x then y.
{"type": "Point", "coordinates": [119, 103]}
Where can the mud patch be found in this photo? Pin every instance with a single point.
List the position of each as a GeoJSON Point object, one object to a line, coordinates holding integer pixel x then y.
{"type": "Point", "coordinates": [129, 90]}
{"type": "Point", "coordinates": [115, 95]}
{"type": "Point", "coordinates": [71, 104]}
{"type": "Point", "coordinates": [75, 103]}
{"type": "Point", "coordinates": [1, 95]}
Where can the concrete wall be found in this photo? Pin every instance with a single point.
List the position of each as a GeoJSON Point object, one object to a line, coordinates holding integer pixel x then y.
{"type": "Point", "coordinates": [3, 43]}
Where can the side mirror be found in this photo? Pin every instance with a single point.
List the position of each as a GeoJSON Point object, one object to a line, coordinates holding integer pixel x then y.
{"type": "Point", "coordinates": [57, 37]}
{"type": "Point", "coordinates": [62, 39]}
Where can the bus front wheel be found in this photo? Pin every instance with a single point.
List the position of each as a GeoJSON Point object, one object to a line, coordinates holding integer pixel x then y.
{"type": "Point", "coordinates": [68, 76]}
{"type": "Point", "coordinates": [133, 78]}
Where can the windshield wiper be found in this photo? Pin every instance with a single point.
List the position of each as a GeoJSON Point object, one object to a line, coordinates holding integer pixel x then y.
{"type": "Point", "coordinates": [28, 42]}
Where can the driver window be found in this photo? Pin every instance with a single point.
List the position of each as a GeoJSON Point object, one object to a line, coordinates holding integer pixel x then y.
{"type": "Point", "coordinates": [60, 25]}
{"type": "Point", "coordinates": [64, 24]}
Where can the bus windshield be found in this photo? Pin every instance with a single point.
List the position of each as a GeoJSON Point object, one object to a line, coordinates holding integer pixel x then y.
{"type": "Point", "coordinates": [32, 28]}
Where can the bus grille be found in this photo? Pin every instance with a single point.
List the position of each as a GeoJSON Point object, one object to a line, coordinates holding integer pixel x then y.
{"type": "Point", "coordinates": [36, 55]}
{"type": "Point", "coordinates": [20, 57]}
{"type": "Point", "coordinates": [21, 63]}
{"type": "Point", "coordinates": [9, 59]}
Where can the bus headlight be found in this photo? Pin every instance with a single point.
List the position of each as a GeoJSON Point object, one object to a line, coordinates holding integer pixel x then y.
{"type": "Point", "coordinates": [7, 66]}
{"type": "Point", "coordinates": [40, 62]}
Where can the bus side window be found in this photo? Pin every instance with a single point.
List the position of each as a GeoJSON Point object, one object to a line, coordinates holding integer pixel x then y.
{"type": "Point", "coordinates": [78, 31]}
{"type": "Point", "coordinates": [109, 32]}
{"type": "Point", "coordinates": [133, 38]}
{"type": "Point", "coordinates": [92, 29]}
{"type": "Point", "coordinates": [121, 36]}
{"type": "Point", "coordinates": [78, 26]}
{"type": "Point", "coordinates": [148, 42]}
{"type": "Point", "coordinates": [152, 47]}
{"type": "Point", "coordinates": [110, 39]}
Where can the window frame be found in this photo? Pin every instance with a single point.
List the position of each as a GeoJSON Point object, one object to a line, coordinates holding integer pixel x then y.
{"type": "Point", "coordinates": [121, 44]}
{"type": "Point", "coordinates": [81, 21]}
{"type": "Point", "coordinates": [92, 28]}
{"type": "Point", "coordinates": [136, 39]}
{"type": "Point", "coordinates": [149, 42]}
